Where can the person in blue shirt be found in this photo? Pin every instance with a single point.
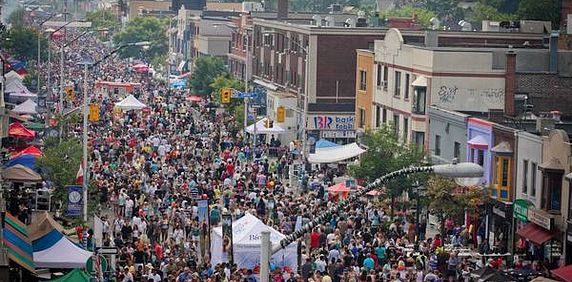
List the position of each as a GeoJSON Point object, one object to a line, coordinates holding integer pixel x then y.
{"type": "Point", "coordinates": [368, 263]}
{"type": "Point", "coordinates": [380, 252]}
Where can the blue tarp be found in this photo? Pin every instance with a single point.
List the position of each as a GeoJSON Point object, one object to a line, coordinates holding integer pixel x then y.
{"type": "Point", "coordinates": [28, 161]}
{"type": "Point", "coordinates": [179, 84]}
{"type": "Point", "coordinates": [47, 241]}
{"type": "Point", "coordinates": [323, 143]}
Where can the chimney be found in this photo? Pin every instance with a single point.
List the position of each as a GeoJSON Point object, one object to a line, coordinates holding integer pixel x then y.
{"type": "Point", "coordinates": [431, 38]}
{"type": "Point", "coordinates": [553, 47]}
{"type": "Point", "coordinates": [509, 83]}
{"type": "Point", "coordinates": [282, 10]}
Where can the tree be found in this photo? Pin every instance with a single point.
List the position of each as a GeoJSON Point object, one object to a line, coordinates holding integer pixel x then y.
{"type": "Point", "coordinates": [387, 153]}
{"type": "Point", "coordinates": [485, 12]}
{"type": "Point", "coordinates": [103, 19]}
{"type": "Point", "coordinates": [140, 29]}
{"type": "Point", "coordinates": [448, 200]}
{"type": "Point", "coordinates": [542, 10]}
{"type": "Point", "coordinates": [443, 8]}
{"type": "Point", "coordinates": [22, 43]}
{"type": "Point", "coordinates": [60, 164]}
{"type": "Point", "coordinates": [236, 106]}
{"type": "Point", "coordinates": [207, 69]}
{"type": "Point", "coordinates": [16, 18]}
{"type": "Point", "coordinates": [423, 15]}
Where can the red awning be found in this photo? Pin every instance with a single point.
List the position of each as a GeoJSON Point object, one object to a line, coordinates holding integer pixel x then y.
{"type": "Point", "coordinates": [535, 233]}
{"type": "Point", "coordinates": [564, 273]}
{"type": "Point", "coordinates": [17, 130]}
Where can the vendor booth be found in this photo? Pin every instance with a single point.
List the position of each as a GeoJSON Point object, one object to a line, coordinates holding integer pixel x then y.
{"type": "Point", "coordinates": [27, 107]}
{"type": "Point", "coordinates": [246, 235]}
{"type": "Point", "coordinates": [76, 275]}
{"type": "Point", "coordinates": [260, 127]}
{"type": "Point", "coordinates": [334, 154]}
{"type": "Point", "coordinates": [130, 103]}
{"type": "Point", "coordinates": [20, 173]}
{"type": "Point", "coordinates": [17, 243]}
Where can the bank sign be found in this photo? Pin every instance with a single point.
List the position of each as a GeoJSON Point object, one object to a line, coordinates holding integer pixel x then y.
{"type": "Point", "coordinates": [331, 122]}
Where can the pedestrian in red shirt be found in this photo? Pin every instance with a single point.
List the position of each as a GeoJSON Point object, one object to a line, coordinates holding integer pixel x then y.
{"type": "Point", "coordinates": [314, 239]}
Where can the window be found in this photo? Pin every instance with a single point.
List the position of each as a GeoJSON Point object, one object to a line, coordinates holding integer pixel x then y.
{"type": "Point", "coordinates": [419, 138]}
{"type": "Point", "coordinates": [396, 124]}
{"type": "Point", "coordinates": [457, 151]}
{"type": "Point", "coordinates": [379, 76]}
{"type": "Point", "coordinates": [524, 176]}
{"type": "Point", "coordinates": [407, 77]}
{"type": "Point", "coordinates": [504, 172]}
{"type": "Point", "coordinates": [362, 80]}
{"type": "Point", "coordinates": [385, 78]}
{"type": "Point", "coordinates": [551, 191]}
{"type": "Point", "coordinates": [384, 116]}
{"type": "Point", "coordinates": [481, 157]}
{"type": "Point", "coordinates": [361, 118]}
{"type": "Point", "coordinates": [419, 100]}
{"type": "Point", "coordinates": [397, 86]}
{"type": "Point", "coordinates": [437, 145]}
{"type": "Point", "coordinates": [405, 129]}
{"type": "Point", "coordinates": [377, 116]}
{"type": "Point", "coordinates": [533, 168]}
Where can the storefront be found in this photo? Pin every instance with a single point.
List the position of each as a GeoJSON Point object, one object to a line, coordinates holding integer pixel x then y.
{"type": "Point", "coordinates": [539, 238]}
{"type": "Point", "coordinates": [337, 128]}
{"type": "Point", "coordinates": [500, 226]}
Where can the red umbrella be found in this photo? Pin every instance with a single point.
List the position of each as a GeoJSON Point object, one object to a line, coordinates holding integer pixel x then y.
{"type": "Point", "coordinates": [194, 98]}
{"type": "Point", "coordinates": [57, 35]}
{"type": "Point", "coordinates": [31, 150]}
{"type": "Point", "coordinates": [141, 68]}
{"type": "Point", "coordinates": [17, 130]}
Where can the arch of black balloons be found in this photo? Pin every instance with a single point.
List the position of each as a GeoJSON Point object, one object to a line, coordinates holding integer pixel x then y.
{"type": "Point", "coordinates": [343, 204]}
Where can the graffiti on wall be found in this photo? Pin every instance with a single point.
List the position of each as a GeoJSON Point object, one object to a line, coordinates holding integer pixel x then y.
{"type": "Point", "coordinates": [447, 93]}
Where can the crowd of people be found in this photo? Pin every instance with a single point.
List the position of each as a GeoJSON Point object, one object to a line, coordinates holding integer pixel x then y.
{"type": "Point", "coordinates": [150, 168]}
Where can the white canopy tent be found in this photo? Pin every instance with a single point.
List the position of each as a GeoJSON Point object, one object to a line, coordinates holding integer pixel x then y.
{"type": "Point", "coordinates": [63, 254]}
{"type": "Point", "coordinates": [336, 153]}
{"type": "Point", "coordinates": [27, 107]}
{"type": "Point", "coordinates": [246, 234]}
{"type": "Point", "coordinates": [11, 76]}
{"type": "Point", "coordinates": [261, 129]}
{"type": "Point", "coordinates": [16, 88]}
{"type": "Point", "coordinates": [130, 103]}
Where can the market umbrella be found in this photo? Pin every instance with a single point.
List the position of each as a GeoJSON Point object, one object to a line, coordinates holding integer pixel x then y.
{"type": "Point", "coordinates": [141, 68]}
{"type": "Point", "coordinates": [194, 98]}
{"type": "Point", "coordinates": [31, 150]}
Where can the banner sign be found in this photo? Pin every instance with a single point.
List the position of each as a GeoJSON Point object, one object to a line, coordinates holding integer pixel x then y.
{"type": "Point", "coordinates": [227, 237]}
{"type": "Point", "coordinates": [75, 201]}
{"type": "Point", "coordinates": [331, 122]}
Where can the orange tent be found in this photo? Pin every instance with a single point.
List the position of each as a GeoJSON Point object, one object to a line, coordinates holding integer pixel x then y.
{"type": "Point", "coordinates": [31, 150]}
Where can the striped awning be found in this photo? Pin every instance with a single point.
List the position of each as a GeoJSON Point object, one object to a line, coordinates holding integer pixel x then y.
{"type": "Point", "coordinates": [17, 242]}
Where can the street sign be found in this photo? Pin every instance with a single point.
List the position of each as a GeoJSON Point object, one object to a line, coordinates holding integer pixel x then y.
{"type": "Point", "coordinates": [241, 95]}
{"type": "Point", "coordinates": [107, 250]}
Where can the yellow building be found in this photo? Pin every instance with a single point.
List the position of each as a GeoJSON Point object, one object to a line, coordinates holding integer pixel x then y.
{"type": "Point", "coordinates": [364, 89]}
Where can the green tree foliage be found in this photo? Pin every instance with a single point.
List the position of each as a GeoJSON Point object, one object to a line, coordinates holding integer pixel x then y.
{"type": "Point", "coordinates": [544, 10]}
{"type": "Point", "coordinates": [448, 200]}
{"type": "Point", "coordinates": [103, 19]}
{"type": "Point", "coordinates": [423, 15]}
{"type": "Point", "coordinates": [143, 29]}
{"type": "Point", "coordinates": [485, 12]}
{"type": "Point", "coordinates": [22, 43]}
{"type": "Point", "coordinates": [60, 164]}
{"type": "Point", "coordinates": [206, 70]}
{"type": "Point", "coordinates": [385, 154]}
{"type": "Point", "coordinates": [16, 18]}
{"type": "Point", "coordinates": [443, 8]}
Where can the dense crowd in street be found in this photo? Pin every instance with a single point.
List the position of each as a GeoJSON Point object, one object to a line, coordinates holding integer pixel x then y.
{"type": "Point", "coordinates": [149, 168]}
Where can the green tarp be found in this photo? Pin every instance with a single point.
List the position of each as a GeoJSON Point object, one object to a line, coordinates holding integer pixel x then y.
{"type": "Point", "coordinates": [75, 275]}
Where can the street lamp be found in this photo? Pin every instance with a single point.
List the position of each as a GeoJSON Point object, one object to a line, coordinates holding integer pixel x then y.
{"type": "Point", "coordinates": [89, 65]}
{"type": "Point", "coordinates": [448, 170]}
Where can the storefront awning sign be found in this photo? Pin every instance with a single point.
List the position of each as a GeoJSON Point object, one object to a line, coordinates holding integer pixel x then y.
{"type": "Point", "coordinates": [521, 210]}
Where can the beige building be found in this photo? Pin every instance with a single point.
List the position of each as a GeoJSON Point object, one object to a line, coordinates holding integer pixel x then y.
{"type": "Point", "coordinates": [137, 7]}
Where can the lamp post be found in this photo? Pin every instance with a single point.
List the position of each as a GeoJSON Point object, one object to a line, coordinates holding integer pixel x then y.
{"type": "Point", "coordinates": [88, 65]}
{"type": "Point", "coordinates": [448, 170]}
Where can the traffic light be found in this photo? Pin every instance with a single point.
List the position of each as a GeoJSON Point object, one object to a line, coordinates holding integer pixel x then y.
{"type": "Point", "coordinates": [280, 114]}
{"type": "Point", "coordinates": [225, 96]}
{"type": "Point", "coordinates": [70, 93]}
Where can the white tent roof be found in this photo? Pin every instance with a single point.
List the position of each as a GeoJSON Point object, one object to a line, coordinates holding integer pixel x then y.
{"type": "Point", "coordinates": [130, 103]}
{"type": "Point", "coordinates": [260, 129]}
{"type": "Point", "coordinates": [336, 153]}
{"type": "Point", "coordinates": [11, 76]}
{"type": "Point", "coordinates": [246, 231]}
{"type": "Point", "coordinates": [63, 254]}
{"type": "Point", "coordinates": [27, 107]}
{"type": "Point", "coordinates": [16, 88]}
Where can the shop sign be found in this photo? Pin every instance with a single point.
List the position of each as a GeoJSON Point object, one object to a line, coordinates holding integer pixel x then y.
{"type": "Point", "coordinates": [338, 134]}
{"type": "Point", "coordinates": [331, 122]}
{"type": "Point", "coordinates": [521, 210]}
{"type": "Point", "coordinates": [499, 212]}
{"type": "Point", "coordinates": [540, 218]}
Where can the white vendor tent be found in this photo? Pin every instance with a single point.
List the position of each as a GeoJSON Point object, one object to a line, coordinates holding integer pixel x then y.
{"type": "Point", "coordinates": [246, 235]}
{"type": "Point", "coordinates": [16, 88]}
{"type": "Point", "coordinates": [12, 75]}
{"type": "Point", "coordinates": [335, 154]}
{"type": "Point", "coordinates": [261, 129]}
{"type": "Point", "coordinates": [54, 250]}
{"type": "Point", "coordinates": [27, 107]}
{"type": "Point", "coordinates": [130, 103]}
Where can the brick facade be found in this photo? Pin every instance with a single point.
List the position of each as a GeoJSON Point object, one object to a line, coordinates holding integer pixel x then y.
{"type": "Point", "coordinates": [547, 92]}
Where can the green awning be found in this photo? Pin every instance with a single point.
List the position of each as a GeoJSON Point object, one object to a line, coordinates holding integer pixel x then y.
{"type": "Point", "coordinates": [35, 125]}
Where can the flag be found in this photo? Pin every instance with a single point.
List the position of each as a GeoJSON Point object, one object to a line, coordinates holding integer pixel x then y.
{"type": "Point", "coordinates": [79, 175]}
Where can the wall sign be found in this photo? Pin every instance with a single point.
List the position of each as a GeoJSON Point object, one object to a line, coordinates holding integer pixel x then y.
{"type": "Point", "coordinates": [540, 218]}
{"type": "Point", "coordinates": [331, 122]}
